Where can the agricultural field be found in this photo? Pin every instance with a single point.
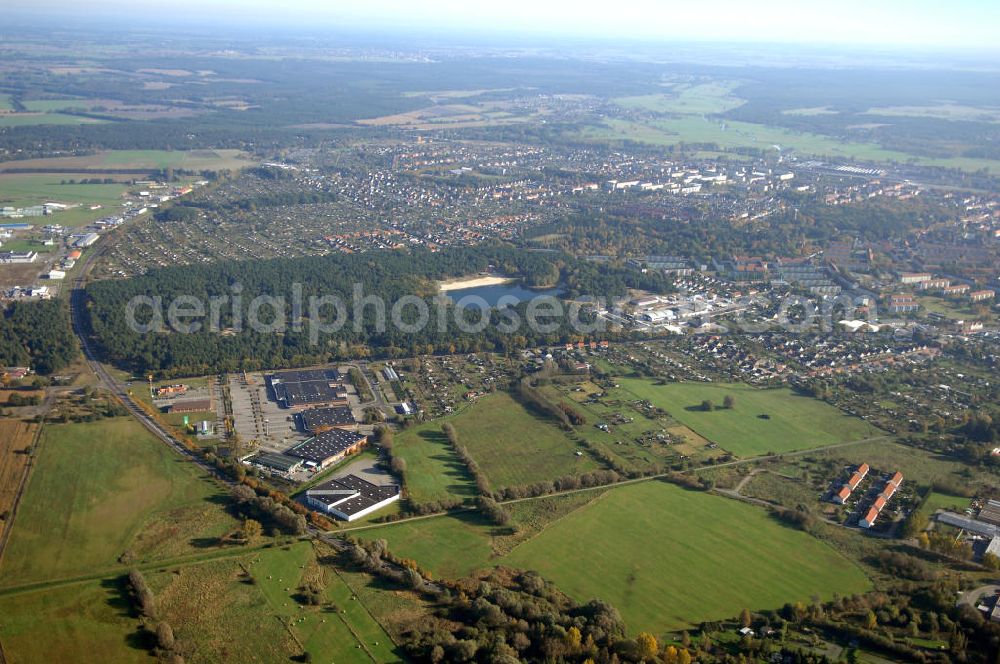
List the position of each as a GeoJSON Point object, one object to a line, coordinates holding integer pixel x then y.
{"type": "Point", "coordinates": [15, 438]}
{"type": "Point", "coordinates": [91, 620]}
{"type": "Point", "coordinates": [457, 544]}
{"type": "Point", "coordinates": [210, 605]}
{"type": "Point", "coordinates": [433, 471]}
{"type": "Point", "coordinates": [728, 134]}
{"type": "Point", "coordinates": [761, 421]}
{"type": "Point", "coordinates": [659, 550]}
{"type": "Point", "coordinates": [943, 111]}
{"type": "Point", "coordinates": [26, 189]}
{"type": "Point", "coordinates": [451, 546]}
{"type": "Point", "coordinates": [653, 550]}
{"type": "Point", "coordinates": [699, 99]}
{"type": "Point", "coordinates": [140, 160]}
{"type": "Point", "coordinates": [515, 447]}
{"type": "Point", "coordinates": [35, 119]}
{"type": "Point", "coordinates": [450, 116]}
{"type": "Point", "coordinates": [102, 488]}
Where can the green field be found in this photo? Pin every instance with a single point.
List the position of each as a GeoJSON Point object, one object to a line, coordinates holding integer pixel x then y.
{"type": "Point", "coordinates": [141, 160]}
{"type": "Point", "coordinates": [451, 546]}
{"type": "Point", "coordinates": [944, 501]}
{"type": "Point", "coordinates": [34, 119]}
{"type": "Point", "coordinates": [75, 623]}
{"type": "Point", "coordinates": [794, 422]}
{"type": "Point", "coordinates": [667, 558]}
{"type": "Point", "coordinates": [704, 98]}
{"type": "Point", "coordinates": [433, 471]}
{"type": "Point", "coordinates": [514, 447]}
{"type": "Point", "coordinates": [212, 604]}
{"type": "Point", "coordinates": [731, 134]}
{"type": "Point", "coordinates": [101, 488]}
{"type": "Point", "coordinates": [23, 190]}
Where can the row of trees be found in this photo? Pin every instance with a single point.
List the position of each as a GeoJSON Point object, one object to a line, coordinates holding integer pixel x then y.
{"type": "Point", "coordinates": [266, 509]}
{"type": "Point", "coordinates": [166, 646]}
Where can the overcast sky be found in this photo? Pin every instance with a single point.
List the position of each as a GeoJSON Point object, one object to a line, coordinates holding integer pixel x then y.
{"type": "Point", "coordinates": [931, 23]}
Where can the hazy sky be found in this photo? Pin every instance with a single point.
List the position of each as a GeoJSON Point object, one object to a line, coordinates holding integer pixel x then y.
{"type": "Point", "coordinates": [949, 23]}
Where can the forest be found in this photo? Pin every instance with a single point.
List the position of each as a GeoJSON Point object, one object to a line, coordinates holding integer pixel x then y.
{"type": "Point", "coordinates": [391, 275]}
{"type": "Point", "coordinates": [37, 335]}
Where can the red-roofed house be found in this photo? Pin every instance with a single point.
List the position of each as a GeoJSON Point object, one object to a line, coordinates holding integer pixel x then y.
{"type": "Point", "coordinates": [868, 520]}
{"type": "Point", "coordinates": [842, 495]}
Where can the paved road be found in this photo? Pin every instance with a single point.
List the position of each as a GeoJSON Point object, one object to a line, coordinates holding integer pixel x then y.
{"type": "Point", "coordinates": [970, 597]}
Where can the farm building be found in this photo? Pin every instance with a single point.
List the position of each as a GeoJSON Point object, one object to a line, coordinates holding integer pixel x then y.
{"type": "Point", "coordinates": [328, 447]}
{"type": "Point", "coordinates": [313, 387]}
{"type": "Point", "coordinates": [351, 497]}
{"type": "Point", "coordinates": [318, 420]}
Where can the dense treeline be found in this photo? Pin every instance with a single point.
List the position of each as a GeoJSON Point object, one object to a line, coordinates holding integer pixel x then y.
{"type": "Point", "coordinates": [268, 510]}
{"type": "Point", "coordinates": [804, 224]}
{"type": "Point", "coordinates": [387, 275]}
{"type": "Point", "coordinates": [37, 335]}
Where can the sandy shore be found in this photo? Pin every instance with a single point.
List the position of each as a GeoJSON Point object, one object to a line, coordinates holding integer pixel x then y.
{"type": "Point", "coordinates": [472, 282]}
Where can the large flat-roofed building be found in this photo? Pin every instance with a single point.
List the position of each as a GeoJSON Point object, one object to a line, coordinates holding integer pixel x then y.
{"type": "Point", "coordinates": [351, 497]}
{"type": "Point", "coordinates": [318, 420]}
{"type": "Point", "coordinates": [18, 256]}
{"type": "Point", "coordinates": [328, 447]}
{"type": "Point", "coordinates": [273, 462]}
{"type": "Point", "coordinates": [298, 389]}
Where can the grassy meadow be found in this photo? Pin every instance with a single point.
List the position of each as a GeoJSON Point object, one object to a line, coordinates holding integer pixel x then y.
{"type": "Point", "coordinates": [793, 422]}
{"type": "Point", "coordinates": [433, 471]}
{"type": "Point", "coordinates": [728, 134]}
{"type": "Point", "coordinates": [140, 160]}
{"type": "Point", "coordinates": [514, 446]}
{"type": "Point", "coordinates": [92, 621]}
{"type": "Point", "coordinates": [666, 557]}
{"type": "Point", "coordinates": [212, 603]}
{"type": "Point", "coordinates": [102, 488]}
